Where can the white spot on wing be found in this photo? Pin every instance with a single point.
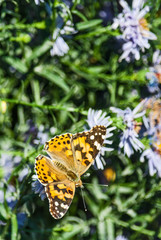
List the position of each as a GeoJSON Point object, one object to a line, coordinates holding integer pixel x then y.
{"type": "Point", "coordinates": [56, 204]}
{"type": "Point", "coordinates": [61, 214]}
{"type": "Point", "coordinates": [103, 136]}
{"type": "Point", "coordinates": [65, 206]}
{"type": "Point", "coordinates": [97, 145]}
{"type": "Point", "coordinates": [92, 137]}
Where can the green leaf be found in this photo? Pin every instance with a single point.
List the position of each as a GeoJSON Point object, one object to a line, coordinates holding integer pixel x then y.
{"type": "Point", "coordinates": [39, 25]}
{"type": "Point", "coordinates": [16, 63]}
{"type": "Point", "coordinates": [47, 73]}
{"type": "Point", "coordinates": [118, 123]}
{"type": "Point", "coordinates": [65, 228]}
{"type": "Point", "coordinates": [105, 212]}
{"type": "Point", "coordinates": [40, 50]}
{"type": "Point", "coordinates": [110, 229]}
{"type": "Point", "coordinates": [98, 190]}
{"type": "Point", "coordinates": [3, 212]}
{"type": "Point", "coordinates": [157, 22]}
{"type": "Point", "coordinates": [36, 91]}
{"type": "Point", "coordinates": [128, 171]}
{"type": "Point", "coordinates": [88, 24]}
{"type": "Point", "coordinates": [101, 228]}
{"type": "Point", "coordinates": [14, 227]}
{"type": "Point", "coordinates": [105, 31]}
{"type": "Point", "coordinates": [79, 14]}
{"type": "Point", "coordinates": [20, 26]}
{"type": "Point", "coordinates": [23, 37]}
{"type": "Point", "coordinates": [143, 230]}
{"type": "Point", "coordinates": [96, 69]}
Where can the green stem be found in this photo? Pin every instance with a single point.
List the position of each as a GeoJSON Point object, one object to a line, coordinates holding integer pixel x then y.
{"type": "Point", "coordinates": [49, 107]}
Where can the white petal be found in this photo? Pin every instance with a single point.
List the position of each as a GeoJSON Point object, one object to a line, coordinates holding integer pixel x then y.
{"type": "Point", "coordinates": [137, 4]}
{"type": "Point", "coordinates": [116, 110]}
{"type": "Point", "coordinates": [156, 56]}
{"type": "Point", "coordinates": [149, 35]}
{"type": "Point", "coordinates": [137, 108]}
{"type": "Point", "coordinates": [108, 142]}
{"type": "Point", "coordinates": [128, 149]}
{"type": "Point", "coordinates": [152, 170]}
{"type": "Point", "coordinates": [143, 12]}
{"type": "Point", "coordinates": [115, 24]}
{"type": "Point", "coordinates": [100, 162]}
{"type": "Point", "coordinates": [124, 55]}
{"type": "Point", "coordinates": [127, 45]}
{"type": "Point", "coordinates": [146, 122]}
{"type": "Point", "coordinates": [136, 54]}
{"type": "Point", "coordinates": [157, 59]}
{"type": "Point", "coordinates": [59, 48]}
{"type": "Point", "coordinates": [138, 115]}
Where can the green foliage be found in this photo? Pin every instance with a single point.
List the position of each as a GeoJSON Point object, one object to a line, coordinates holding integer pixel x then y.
{"type": "Point", "coordinates": [56, 92]}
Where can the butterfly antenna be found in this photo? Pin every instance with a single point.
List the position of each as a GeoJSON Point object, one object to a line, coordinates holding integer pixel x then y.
{"type": "Point", "coordinates": [84, 204]}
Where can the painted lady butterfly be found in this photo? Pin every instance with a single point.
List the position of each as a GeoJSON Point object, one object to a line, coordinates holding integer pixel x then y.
{"type": "Point", "coordinates": [71, 156]}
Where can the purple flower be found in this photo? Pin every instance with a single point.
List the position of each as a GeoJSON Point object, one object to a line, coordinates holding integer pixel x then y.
{"type": "Point", "coordinates": [42, 136]}
{"type": "Point", "coordinates": [129, 138]}
{"type": "Point", "coordinates": [37, 187]}
{"type": "Point", "coordinates": [134, 29]}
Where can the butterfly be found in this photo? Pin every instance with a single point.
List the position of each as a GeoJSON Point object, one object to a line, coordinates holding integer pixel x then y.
{"type": "Point", "coordinates": [70, 156]}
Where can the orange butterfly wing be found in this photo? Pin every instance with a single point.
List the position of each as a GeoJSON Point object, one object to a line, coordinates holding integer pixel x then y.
{"type": "Point", "coordinates": [59, 148]}
{"type": "Point", "coordinates": [60, 191]}
{"type": "Point", "coordinates": [86, 146]}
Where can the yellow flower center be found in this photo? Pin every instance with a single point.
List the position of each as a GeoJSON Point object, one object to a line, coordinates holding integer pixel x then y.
{"type": "Point", "coordinates": [157, 147]}
{"type": "Point", "coordinates": [137, 126]}
{"type": "Point", "coordinates": [144, 24]}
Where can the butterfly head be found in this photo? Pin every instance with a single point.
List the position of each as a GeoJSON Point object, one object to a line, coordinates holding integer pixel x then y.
{"type": "Point", "coordinates": [79, 184]}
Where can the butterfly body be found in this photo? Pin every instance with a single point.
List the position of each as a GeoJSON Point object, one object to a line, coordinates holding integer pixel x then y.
{"type": "Point", "coordinates": [71, 176]}
{"type": "Point", "coordinates": [71, 156]}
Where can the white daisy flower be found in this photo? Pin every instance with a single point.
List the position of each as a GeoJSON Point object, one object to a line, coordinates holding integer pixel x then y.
{"type": "Point", "coordinates": [129, 138]}
{"type": "Point", "coordinates": [134, 28]}
{"type": "Point", "coordinates": [97, 117]}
